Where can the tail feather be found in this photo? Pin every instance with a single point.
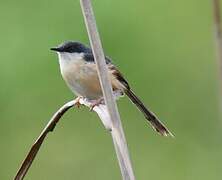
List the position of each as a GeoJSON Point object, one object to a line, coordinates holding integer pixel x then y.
{"type": "Point", "coordinates": [150, 116]}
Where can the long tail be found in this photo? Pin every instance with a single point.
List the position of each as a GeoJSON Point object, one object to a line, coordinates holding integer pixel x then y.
{"type": "Point", "coordinates": [150, 116]}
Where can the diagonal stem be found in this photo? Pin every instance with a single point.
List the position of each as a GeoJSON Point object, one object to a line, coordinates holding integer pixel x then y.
{"type": "Point", "coordinates": [101, 110]}
{"type": "Point", "coordinates": [118, 136]}
{"type": "Point", "coordinates": [37, 144]}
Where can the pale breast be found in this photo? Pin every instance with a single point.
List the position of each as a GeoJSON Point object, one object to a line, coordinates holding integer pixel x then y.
{"type": "Point", "coordinates": [82, 78]}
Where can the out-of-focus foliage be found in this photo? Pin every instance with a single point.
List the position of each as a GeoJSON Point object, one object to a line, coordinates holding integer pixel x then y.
{"type": "Point", "coordinates": [166, 51]}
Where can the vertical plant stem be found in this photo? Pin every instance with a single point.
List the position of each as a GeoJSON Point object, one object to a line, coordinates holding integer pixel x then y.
{"type": "Point", "coordinates": [117, 130]}
{"type": "Point", "coordinates": [218, 41]}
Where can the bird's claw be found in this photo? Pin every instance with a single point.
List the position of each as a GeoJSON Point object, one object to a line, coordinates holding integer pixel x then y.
{"type": "Point", "coordinates": [96, 103]}
{"type": "Point", "coordinates": [78, 104]}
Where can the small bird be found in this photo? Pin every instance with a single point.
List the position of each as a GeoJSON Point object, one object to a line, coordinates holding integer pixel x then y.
{"type": "Point", "coordinates": [78, 69]}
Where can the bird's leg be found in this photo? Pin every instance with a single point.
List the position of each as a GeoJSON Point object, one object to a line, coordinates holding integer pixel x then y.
{"type": "Point", "coordinates": [96, 103]}
{"type": "Point", "coordinates": [78, 104]}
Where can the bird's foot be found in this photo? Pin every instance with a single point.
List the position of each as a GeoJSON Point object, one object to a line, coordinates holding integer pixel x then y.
{"type": "Point", "coordinates": [96, 103]}
{"type": "Point", "coordinates": [78, 104]}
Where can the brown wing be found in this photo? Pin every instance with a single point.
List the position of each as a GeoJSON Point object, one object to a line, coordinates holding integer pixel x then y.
{"type": "Point", "coordinates": [117, 79]}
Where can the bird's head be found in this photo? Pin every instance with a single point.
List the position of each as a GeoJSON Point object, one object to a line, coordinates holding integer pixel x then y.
{"type": "Point", "coordinates": [70, 50]}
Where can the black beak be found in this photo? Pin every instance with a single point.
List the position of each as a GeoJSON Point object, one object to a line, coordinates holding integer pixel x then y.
{"type": "Point", "coordinates": [55, 49]}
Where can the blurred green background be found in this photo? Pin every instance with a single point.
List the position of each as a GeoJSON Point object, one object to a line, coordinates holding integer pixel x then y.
{"type": "Point", "coordinates": [165, 49]}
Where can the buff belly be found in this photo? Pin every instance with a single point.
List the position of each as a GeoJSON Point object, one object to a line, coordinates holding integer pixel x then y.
{"type": "Point", "coordinates": [82, 79]}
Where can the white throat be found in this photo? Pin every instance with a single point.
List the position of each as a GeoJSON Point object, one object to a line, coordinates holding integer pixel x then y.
{"type": "Point", "coordinates": [65, 59]}
{"type": "Point", "coordinates": [64, 56]}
